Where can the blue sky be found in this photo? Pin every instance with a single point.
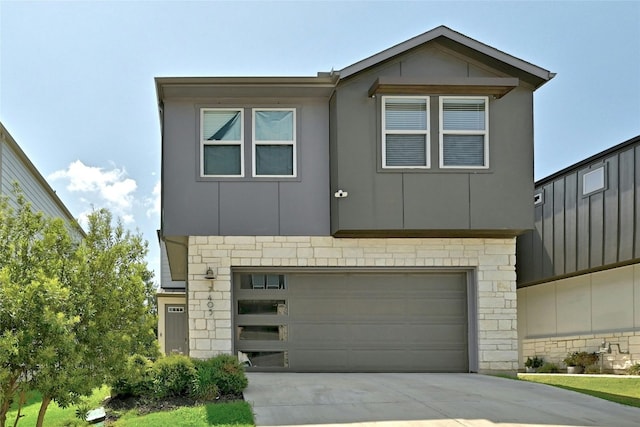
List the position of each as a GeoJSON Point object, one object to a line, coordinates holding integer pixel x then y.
{"type": "Point", "coordinates": [77, 90]}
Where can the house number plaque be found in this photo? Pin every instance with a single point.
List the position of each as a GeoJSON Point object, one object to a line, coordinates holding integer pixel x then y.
{"type": "Point", "coordinates": [210, 300]}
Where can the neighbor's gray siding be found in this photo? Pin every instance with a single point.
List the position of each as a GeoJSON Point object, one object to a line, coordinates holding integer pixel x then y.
{"type": "Point", "coordinates": [575, 233]}
{"type": "Point", "coordinates": [245, 206]}
{"type": "Point", "coordinates": [14, 169]}
{"type": "Point", "coordinates": [166, 282]}
{"type": "Point", "coordinates": [466, 202]}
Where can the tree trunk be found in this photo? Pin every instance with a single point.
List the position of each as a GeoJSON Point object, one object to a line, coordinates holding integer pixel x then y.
{"type": "Point", "coordinates": [21, 401]}
{"type": "Point", "coordinates": [43, 409]}
{"type": "Point", "coordinates": [8, 392]}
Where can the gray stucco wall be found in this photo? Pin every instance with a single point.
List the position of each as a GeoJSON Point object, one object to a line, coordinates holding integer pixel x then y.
{"type": "Point", "coordinates": [245, 206]}
{"type": "Point", "coordinates": [496, 200]}
{"type": "Point", "coordinates": [575, 233]}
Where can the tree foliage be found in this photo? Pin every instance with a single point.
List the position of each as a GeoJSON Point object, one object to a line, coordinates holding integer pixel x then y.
{"type": "Point", "coordinates": [72, 309]}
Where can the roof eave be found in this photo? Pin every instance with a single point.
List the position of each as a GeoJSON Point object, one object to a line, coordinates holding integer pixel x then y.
{"type": "Point", "coordinates": [443, 31]}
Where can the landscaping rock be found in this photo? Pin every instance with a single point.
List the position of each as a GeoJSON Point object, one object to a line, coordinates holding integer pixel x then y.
{"type": "Point", "coordinates": [96, 416]}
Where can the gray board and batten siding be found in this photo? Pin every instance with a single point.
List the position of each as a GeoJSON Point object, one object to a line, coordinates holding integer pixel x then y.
{"type": "Point", "coordinates": [195, 205]}
{"type": "Point", "coordinates": [474, 202]}
{"type": "Point", "coordinates": [15, 166]}
{"type": "Point", "coordinates": [577, 230]}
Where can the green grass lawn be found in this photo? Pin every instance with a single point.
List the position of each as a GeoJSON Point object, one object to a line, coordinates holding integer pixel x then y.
{"type": "Point", "coordinates": [55, 415]}
{"type": "Point", "coordinates": [621, 390]}
{"type": "Point", "coordinates": [237, 414]}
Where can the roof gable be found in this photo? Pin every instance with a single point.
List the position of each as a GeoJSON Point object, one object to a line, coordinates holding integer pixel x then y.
{"type": "Point", "coordinates": [511, 65]}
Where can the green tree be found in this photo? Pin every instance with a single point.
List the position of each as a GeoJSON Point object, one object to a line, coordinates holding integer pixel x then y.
{"type": "Point", "coordinates": [71, 310]}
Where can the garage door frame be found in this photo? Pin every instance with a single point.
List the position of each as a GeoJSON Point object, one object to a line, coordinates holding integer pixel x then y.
{"type": "Point", "coordinates": [471, 298]}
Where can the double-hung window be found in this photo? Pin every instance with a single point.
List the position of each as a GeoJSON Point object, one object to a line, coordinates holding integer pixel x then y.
{"type": "Point", "coordinates": [405, 132]}
{"type": "Point", "coordinates": [221, 142]}
{"type": "Point", "coordinates": [274, 142]}
{"type": "Point", "coordinates": [464, 136]}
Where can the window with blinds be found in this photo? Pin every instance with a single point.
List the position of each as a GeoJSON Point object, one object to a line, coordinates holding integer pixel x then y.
{"type": "Point", "coordinates": [221, 142]}
{"type": "Point", "coordinates": [464, 132]}
{"type": "Point", "coordinates": [405, 130]}
{"type": "Point", "coordinates": [274, 142]}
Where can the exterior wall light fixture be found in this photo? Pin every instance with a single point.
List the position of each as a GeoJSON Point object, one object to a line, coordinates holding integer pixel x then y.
{"type": "Point", "coordinates": [209, 274]}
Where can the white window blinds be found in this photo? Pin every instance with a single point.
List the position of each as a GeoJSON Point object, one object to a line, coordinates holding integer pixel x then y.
{"type": "Point", "coordinates": [463, 133]}
{"type": "Point", "coordinates": [405, 132]}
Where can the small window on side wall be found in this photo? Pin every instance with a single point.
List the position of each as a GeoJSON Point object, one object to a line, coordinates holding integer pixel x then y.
{"type": "Point", "coordinates": [221, 142]}
{"type": "Point", "coordinates": [405, 132]}
{"type": "Point", "coordinates": [538, 198]}
{"type": "Point", "coordinates": [464, 134]}
{"type": "Point", "coordinates": [594, 181]}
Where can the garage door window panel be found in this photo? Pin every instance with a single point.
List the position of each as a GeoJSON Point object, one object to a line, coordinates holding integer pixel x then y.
{"type": "Point", "coordinates": [262, 332]}
{"type": "Point", "coordinates": [262, 307]}
{"type": "Point", "coordinates": [263, 281]}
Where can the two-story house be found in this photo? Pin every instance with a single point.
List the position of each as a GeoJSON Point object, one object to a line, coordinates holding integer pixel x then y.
{"type": "Point", "coordinates": [579, 268]}
{"type": "Point", "coordinates": [359, 220]}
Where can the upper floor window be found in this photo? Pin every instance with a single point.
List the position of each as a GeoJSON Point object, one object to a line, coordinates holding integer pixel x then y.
{"type": "Point", "coordinates": [221, 142]}
{"type": "Point", "coordinates": [405, 132]}
{"type": "Point", "coordinates": [464, 136]}
{"type": "Point", "coordinates": [594, 181]}
{"type": "Point", "coordinates": [274, 142]}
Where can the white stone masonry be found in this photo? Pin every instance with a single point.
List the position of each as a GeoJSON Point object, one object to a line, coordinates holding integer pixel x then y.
{"type": "Point", "coordinates": [210, 324]}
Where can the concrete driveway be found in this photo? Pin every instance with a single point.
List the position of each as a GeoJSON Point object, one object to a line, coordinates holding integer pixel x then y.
{"type": "Point", "coordinates": [383, 400]}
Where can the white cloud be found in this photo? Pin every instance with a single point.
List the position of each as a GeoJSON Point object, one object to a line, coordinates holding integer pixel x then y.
{"type": "Point", "coordinates": [100, 188]}
{"type": "Point", "coordinates": [153, 202]}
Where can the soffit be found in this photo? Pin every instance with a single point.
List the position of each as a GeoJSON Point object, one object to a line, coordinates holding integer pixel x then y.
{"type": "Point", "coordinates": [493, 86]}
{"type": "Point", "coordinates": [245, 87]}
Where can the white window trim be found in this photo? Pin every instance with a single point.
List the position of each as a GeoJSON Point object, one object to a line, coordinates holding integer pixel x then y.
{"type": "Point", "coordinates": [406, 132]}
{"type": "Point", "coordinates": [205, 142]}
{"type": "Point", "coordinates": [599, 169]}
{"type": "Point", "coordinates": [464, 132]}
{"type": "Point", "coordinates": [255, 143]}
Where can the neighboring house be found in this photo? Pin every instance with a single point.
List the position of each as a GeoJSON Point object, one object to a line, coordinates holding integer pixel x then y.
{"type": "Point", "coordinates": [15, 166]}
{"type": "Point", "coordinates": [579, 269]}
{"type": "Point", "coordinates": [359, 220]}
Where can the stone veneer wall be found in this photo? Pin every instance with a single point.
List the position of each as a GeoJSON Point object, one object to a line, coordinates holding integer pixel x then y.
{"type": "Point", "coordinates": [209, 304]}
{"type": "Point", "coordinates": [555, 349]}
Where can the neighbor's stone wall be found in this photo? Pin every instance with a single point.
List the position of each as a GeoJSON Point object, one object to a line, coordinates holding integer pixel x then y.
{"type": "Point", "coordinates": [555, 349]}
{"type": "Point", "coordinates": [210, 321]}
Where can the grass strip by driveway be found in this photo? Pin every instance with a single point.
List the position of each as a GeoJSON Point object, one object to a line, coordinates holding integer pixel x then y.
{"type": "Point", "coordinates": [236, 414]}
{"type": "Point", "coordinates": [616, 389]}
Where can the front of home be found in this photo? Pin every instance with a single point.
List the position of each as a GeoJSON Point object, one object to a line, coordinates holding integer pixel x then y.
{"type": "Point", "coordinates": [358, 220]}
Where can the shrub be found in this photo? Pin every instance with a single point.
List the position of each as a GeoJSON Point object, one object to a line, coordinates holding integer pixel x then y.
{"type": "Point", "coordinates": [136, 379]}
{"type": "Point", "coordinates": [173, 376]}
{"type": "Point", "coordinates": [204, 386]}
{"type": "Point", "coordinates": [548, 368]}
{"type": "Point", "coordinates": [534, 362]}
{"type": "Point", "coordinates": [227, 374]}
{"type": "Point", "coordinates": [592, 369]}
{"type": "Point", "coordinates": [581, 358]}
{"type": "Point", "coordinates": [634, 369]}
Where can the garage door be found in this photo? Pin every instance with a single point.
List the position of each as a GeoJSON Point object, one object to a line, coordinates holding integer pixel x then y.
{"type": "Point", "coordinates": [354, 322]}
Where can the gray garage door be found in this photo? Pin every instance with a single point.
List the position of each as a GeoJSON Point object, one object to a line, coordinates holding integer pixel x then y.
{"type": "Point", "coordinates": [352, 321]}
